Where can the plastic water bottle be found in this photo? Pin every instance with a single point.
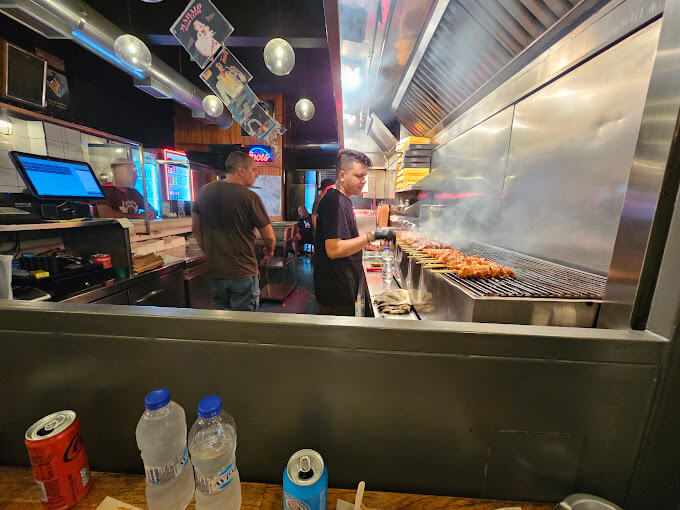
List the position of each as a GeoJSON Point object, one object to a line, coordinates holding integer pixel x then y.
{"type": "Point", "coordinates": [212, 443]}
{"type": "Point", "coordinates": [162, 440]}
{"type": "Point", "coordinates": [387, 264]}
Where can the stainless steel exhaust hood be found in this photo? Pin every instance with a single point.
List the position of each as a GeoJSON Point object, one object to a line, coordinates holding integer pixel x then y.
{"type": "Point", "coordinates": [75, 20]}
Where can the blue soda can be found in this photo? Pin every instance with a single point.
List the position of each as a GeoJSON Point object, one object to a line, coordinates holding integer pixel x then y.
{"type": "Point", "coordinates": [305, 482]}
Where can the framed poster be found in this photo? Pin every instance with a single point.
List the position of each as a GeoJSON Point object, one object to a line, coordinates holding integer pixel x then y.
{"type": "Point", "coordinates": [202, 30]}
{"type": "Point", "coordinates": [259, 123]}
{"type": "Point", "coordinates": [225, 76]}
{"type": "Point", "coordinates": [269, 106]}
{"type": "Point", "coordinates": [268, 187]}
{"type": "Point", "coordinates": [57, 95]}
{"type": "Point", "coordinates": [243, 105]}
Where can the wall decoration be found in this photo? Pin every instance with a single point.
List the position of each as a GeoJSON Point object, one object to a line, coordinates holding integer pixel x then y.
{"type": "Point", "coordinates": [202, 30]}
{"type": "Point", "coordinates": [261, 154]}
{"type": "Point", "coordinates": [259, 123]}
{"type": "Point", "coordinates": [243, 105]}
{"type": "Point", "coordinates": [57, 95]}
{"type": "Point", "coordinates": [268, 187]}
{"type": "Point", "coordinates": [226, 76]}
{"type": "Point", "coordinates": [269, 107]}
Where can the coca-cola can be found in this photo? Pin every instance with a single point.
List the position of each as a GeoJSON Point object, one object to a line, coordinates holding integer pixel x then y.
{"type": "Point", "coordinates": [58, 460]}
{"type": "Point", "coordinates": [103, 259]}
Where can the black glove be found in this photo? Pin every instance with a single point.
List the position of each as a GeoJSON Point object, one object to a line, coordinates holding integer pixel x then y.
{"type": "Point", "coordinates": [385, 233]}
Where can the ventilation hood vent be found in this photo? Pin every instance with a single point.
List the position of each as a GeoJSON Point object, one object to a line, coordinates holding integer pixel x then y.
{"type": "Point", "coordinates": [464, 45]}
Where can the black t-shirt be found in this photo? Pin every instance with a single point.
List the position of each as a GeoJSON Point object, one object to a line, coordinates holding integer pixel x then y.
{"type": "Point", "coordinates": [337, 281]}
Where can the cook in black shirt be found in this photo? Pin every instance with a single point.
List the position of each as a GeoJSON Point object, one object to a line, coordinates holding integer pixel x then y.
{"type": "Point", "coordinates": [337, 267]}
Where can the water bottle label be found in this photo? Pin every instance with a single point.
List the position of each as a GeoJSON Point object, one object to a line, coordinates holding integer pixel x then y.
{"type": "Point", "coordinates": [215, 484]}
{"type": "Point", "coordinates": [159, 475]}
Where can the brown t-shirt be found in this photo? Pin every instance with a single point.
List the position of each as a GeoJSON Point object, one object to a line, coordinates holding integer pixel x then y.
{"type": "Point", "coordinates": [126, 200]}
{"type": "Point", "coordinates": [229, 214]}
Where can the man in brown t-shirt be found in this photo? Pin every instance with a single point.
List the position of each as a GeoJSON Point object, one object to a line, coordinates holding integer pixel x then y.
{"type": "Point", "coordinates": [224, 221]}
{"type": "Point", "coordinates": [122, 199]}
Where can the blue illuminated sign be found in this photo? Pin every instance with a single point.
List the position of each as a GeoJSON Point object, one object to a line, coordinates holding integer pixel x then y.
{"type": "Point", "coordinates": [261, 154]}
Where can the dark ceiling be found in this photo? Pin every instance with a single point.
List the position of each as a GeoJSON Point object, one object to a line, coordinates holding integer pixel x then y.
{"type": "Point", "coordinates": [255, 22]}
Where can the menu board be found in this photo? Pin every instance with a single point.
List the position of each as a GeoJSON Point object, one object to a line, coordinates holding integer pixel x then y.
{"type": "Point", "coordinates": [268, 187]}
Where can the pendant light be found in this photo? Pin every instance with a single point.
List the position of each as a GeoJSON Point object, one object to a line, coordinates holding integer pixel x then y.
{"type": "Point", "coordinates": [132, 52]}
{"type": "Point", "coordinates": [279, 56]}
{"type": "Point", "coordinates": [304, 109]}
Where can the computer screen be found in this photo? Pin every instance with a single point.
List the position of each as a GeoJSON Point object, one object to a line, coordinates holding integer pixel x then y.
{"type": "Point", "coordinates": [54, 178]}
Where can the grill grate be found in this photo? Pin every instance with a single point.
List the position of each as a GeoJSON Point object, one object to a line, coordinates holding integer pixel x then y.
{"type": "Point", "coordinates": [534, 277]}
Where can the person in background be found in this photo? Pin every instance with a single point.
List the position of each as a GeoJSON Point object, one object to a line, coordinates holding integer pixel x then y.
{"type": "Point", "coordinates": [224, 220]}
{"type": "Point", "coordinates": [122, 199]}
{"type": "Point", "coordinates": [325, 185]}
{"type": "Point", "coordinates": [337, 267]}
{"type": "Point", "coordinates": [305, 230]}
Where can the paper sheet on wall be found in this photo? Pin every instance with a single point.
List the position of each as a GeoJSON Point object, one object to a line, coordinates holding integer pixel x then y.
{"type": "Point", "coordinates": [268, 187]}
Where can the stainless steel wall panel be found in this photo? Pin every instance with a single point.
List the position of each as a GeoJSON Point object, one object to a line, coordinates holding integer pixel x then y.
{"type": "Point", "coordinates": [570, 155]}
{"type": "Point", "coordinates": [649, 196]}
{"type": "Point", "coordinates": [418, 386]}
{"type": "Point", "coordinates": [470, 172]}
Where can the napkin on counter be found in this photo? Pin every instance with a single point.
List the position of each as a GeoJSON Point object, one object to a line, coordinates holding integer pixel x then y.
{"type": "Point", "coordinates": [395, 301]}
{"type": "Point", "coordinates": [110, 503]}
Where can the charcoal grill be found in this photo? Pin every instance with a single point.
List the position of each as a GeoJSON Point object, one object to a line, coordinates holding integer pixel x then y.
{"type": "Point", "coordinates": [541, 293]}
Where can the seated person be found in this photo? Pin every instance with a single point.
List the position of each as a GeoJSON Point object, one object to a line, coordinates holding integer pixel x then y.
{"type": "Point", "coordinates": [305, 230]}
{"type": "Point", "coordinates": [122, 199]}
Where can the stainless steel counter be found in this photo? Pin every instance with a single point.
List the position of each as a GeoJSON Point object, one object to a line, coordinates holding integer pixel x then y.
{"type": "Point", "coordinates": [374, 286]}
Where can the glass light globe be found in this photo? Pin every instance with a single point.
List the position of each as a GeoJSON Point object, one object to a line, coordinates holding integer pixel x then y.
{"type": "Point", "coordinates": [279, 56]}
{"type": "Point", "coordinates": [132, 52]}
{"type": "Point", "coordinates": [212, 105]}
{"type": "Point", "coordinates": [304, 109]}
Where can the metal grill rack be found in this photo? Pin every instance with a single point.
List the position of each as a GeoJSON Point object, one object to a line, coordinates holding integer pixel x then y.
{"type": "Point", "coordinates": [533, 277]}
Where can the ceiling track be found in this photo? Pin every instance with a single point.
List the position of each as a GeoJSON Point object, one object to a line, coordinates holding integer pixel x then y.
{"type": "Point", "coordinates": [467, 43]}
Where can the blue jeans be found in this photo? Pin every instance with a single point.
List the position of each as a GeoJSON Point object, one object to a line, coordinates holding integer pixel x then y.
{"type": "Point", "coordinates": [238, 295]}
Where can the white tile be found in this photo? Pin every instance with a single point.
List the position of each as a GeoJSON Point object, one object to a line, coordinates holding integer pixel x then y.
{"type": "Point", "coordinates": [35, 129]}
{"type": "Point", "coordinates": [55, 152]}
{"type": "Point", "coordinates": [22, 144]}
{"type": "Point", "coordinates": [38, 146]}
{"type": "Point", "coordinates": [5, 162]}
{"type": "Point", "coordinates": [52, 132]}
{"type": "Point", "coordinates": [72, 136]}
{"type": "Point", "coordinates": [20, 127]}
{"type": "Point", "coordinates": [6, 142]}
{"type": "Point", "coordinates": [11, 189]}
{"type": "Point", "coordinates": [9, 177]}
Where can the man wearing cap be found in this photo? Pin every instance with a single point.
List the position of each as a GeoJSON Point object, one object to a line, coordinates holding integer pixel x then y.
{"type": "Point", "coordinates": [122, 199]}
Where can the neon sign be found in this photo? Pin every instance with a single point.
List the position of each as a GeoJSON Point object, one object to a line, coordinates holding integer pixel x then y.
{"type": "Point", "coordinates": [261, 154]}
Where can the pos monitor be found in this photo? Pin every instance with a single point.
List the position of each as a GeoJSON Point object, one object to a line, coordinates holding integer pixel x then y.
{"type": "Point", "coordinates": [51, 178]}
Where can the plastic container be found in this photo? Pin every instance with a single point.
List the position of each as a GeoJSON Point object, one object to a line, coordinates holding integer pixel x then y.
{"type": "Point", "coordinates": [387, 264]}
{"type": "Point", "coordinates": [212, 443]}
{"type": "Point", "coordinates": [162, 440]}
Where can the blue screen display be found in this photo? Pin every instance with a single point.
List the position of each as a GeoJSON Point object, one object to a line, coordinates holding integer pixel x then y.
{"type": "Point", "coordinates": [61, 179]}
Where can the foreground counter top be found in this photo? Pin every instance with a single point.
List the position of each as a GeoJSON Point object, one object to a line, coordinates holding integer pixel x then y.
{"type": "Point", "coordinates": [18, 492]}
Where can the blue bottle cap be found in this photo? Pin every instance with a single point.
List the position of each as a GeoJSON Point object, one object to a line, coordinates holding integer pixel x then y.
{"type": "Point", "coordinates": [210, 406]}
{"type": "Point", "coordinates": [157, 399]}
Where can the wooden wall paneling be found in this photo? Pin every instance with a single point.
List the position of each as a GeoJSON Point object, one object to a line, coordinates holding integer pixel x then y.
{"type": "Point", "coordinates": [192, 134]}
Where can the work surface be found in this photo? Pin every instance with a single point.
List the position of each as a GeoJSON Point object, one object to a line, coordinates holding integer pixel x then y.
{"type": "Point", "coordinates": [18, 492]}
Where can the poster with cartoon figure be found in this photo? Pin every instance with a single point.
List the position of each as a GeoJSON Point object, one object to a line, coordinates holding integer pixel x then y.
{"type": "Point", "coordinates": [242, 105]}
{"type": "Point", "coordinates": [202, 30]}
{"type": "Point", "coordinates": [259, 123]}
{"type": "Point", "coordinates": [225, 76]}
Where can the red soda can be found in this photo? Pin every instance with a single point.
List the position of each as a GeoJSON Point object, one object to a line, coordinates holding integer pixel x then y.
{"type": "Point", "coordinates": [103, 259]}
{"type": "Point", "coordinates": [58, 460]}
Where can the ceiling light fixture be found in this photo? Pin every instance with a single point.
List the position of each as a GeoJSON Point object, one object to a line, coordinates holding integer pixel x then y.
{"type": "Point", "coordinates": [304, 109]}
{"type": "Point", "coordinates": [212, 105]}
{"type": "Point", "coordinates": [279, 56]}
{"type": "Point", "coordinates": [132, 52]}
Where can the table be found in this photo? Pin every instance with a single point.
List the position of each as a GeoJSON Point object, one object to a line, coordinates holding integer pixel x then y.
{"type": "Point", "coordinates": [18, 492]}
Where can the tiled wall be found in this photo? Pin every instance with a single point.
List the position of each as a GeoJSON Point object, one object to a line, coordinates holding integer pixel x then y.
{"type": "Point", "coordinates": [37, 137]}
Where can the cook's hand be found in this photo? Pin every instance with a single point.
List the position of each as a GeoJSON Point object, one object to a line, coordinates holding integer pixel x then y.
{"type": "Point", "coordinates": [385, 233]}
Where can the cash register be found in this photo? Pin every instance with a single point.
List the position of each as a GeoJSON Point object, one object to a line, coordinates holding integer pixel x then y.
{"type": "Point", "coordinates": [60, 189]}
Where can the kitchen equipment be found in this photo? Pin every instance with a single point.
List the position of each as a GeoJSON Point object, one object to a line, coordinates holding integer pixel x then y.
{"type": "Point", "coordinates": [585, 502]}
